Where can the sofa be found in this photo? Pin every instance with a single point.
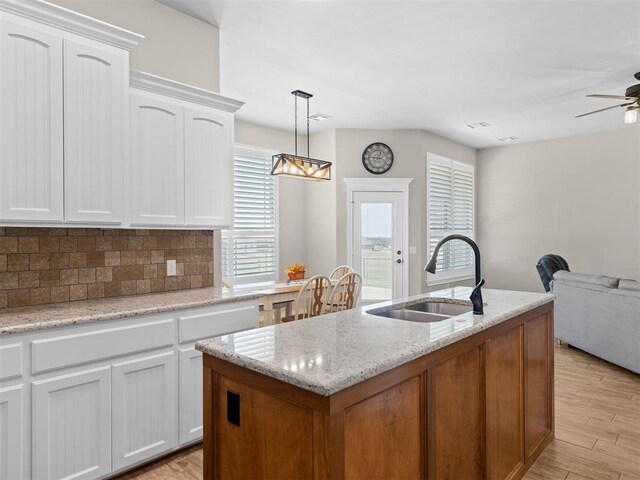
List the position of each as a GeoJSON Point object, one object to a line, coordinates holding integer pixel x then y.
{"type": "Point", "coordinates": [600, 315]}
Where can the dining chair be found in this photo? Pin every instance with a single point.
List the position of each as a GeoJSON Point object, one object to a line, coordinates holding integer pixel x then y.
{"type": "Point", "coordinates": [311, 299]}
{"type": "Point", "coordinates": [340, 272]}
{"type": "Point", "coordinates": [345, 293]}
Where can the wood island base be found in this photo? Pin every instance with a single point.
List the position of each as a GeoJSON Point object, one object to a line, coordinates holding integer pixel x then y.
{"type": "Point", "coordinates": [480, 408]}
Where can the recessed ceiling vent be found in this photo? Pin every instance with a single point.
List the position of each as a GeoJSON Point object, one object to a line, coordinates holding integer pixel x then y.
{"type": "Point", "coordinates": [473, 126]}
{"type": "Point", "coordinates": [508, 139]}
{"type": "Point", "coordinates": [318, 117]}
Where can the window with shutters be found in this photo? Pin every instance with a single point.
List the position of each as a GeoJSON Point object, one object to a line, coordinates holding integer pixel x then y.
{"type": "Point", "coordinates": [450, 209]}
{"type": "Point", "coordinates": [250, 250]}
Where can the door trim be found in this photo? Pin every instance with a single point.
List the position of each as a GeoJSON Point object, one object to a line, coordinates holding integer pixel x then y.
{"type": "Point", "coordinates": [368, 184]}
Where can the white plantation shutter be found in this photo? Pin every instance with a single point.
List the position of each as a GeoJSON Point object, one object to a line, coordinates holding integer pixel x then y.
{"type": "Point", "coordinates": [450, 209]}
{"type": "Point", "coordinates": [249, 251]}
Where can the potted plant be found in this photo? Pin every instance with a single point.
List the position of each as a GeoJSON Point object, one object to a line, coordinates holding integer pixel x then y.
{"type": "Point", "coordinates": [295, 271]}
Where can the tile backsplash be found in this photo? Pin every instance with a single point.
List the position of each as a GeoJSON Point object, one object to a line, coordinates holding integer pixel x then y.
{"type": "Point", "coordinates": [52, 265]}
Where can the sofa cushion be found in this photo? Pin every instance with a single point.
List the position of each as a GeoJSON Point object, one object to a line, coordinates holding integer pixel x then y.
{"type": "Point", "coordinates": [626, 284]}
{"type": "Point", "coordinates": [600, 280]}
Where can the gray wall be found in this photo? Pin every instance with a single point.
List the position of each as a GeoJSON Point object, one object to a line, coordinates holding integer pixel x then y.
{"type": "Point", "coordinates": [410, 148]}
{"type": "Point", "coordinates": [175, 46]}
{"type": "Point", "coordinates": [576, 196]}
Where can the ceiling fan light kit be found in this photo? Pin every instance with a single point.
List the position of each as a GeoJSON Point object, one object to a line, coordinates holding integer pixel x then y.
{"type": "Point", "coordinates": [297, 166]}
{"type": "Point", "coordinates": [632, 93]}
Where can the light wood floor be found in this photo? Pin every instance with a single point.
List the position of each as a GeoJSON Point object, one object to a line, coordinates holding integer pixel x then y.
{"type": "Point", "coordinates": [597, 427]}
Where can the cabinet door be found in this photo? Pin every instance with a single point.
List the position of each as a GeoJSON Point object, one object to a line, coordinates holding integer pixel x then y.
{"type": "Point", "coordinates": [11, 433]}
{"type": "Point", "coordinates": [208, 168]}
{"type": "Point", "coordinates": [539, 381]}
{"type": "Point", "coordinates": [31, 183]}
{"type": "Point", "coordinates": [190, 395]}
{"type": "Point", "coordinates": [454, 409]}
{"type": "Point", "coordinates": [505, 419]}
{"type": "Point", "coordinates": [95, 100]}
{"type": "Point", "coordinates": [71, 426]}
{"type": "Point", "coordinates": [144, 406]}
{"type": "Point", "coordinates": [157, 183]}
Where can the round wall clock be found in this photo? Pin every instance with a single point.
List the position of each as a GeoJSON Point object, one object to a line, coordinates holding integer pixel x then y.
{"type": "Point", "coordinates": [377, 158]}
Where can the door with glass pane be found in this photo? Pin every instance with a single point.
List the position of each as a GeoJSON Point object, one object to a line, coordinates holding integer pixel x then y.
{"type": "Point", "coordinates": [377, 244]}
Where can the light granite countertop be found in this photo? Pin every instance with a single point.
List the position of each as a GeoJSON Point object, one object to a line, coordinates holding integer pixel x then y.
{"type": "Point", "coordinates": [331, 352]}
{"type": "Point", "coordinates": [27, 319]}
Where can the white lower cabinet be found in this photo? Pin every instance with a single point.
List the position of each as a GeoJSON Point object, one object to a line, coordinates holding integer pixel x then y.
{"type": "Point", "coordinates": [190, 387]}
{"type": "Point", "coordinates": [144, 404]}
{"type": "Point", "coordinates": [90, 401]}
{"type": "Point", "coordinates": [11, 428]}
{"type": "Point", "coordinates": [72, 425]}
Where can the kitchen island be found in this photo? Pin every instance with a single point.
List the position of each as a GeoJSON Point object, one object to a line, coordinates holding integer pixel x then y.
{"type": "Point", "coordinates": [358, 395]}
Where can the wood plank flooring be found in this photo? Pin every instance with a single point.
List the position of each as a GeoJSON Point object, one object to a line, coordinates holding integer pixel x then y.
{"type": "Point", "coordinates": [597, 428]}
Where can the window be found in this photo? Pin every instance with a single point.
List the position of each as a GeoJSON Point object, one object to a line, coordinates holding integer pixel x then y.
{"type": "Point", "coordinates": [249, 251]}
{"type": "Point", "coordinates": [450, 209]}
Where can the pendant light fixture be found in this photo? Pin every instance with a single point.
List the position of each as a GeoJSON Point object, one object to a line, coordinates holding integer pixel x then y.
{"type": "Point", "coordinates": [297, 166]}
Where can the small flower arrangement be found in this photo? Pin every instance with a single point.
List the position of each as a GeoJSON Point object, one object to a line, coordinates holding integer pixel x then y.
{"type": "Point", "coordinates": [295, 271]}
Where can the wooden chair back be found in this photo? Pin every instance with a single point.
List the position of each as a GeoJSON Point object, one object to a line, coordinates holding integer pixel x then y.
{"type": "Point", "coordinates": [340, 272]}
{"type": "Point", "coordinates": [345, 293]}
{"type": "Point", "coordinates": [311, 299]}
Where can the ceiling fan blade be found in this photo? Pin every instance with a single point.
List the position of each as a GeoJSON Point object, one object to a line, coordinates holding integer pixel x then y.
{"type": "Point", "coordinates": [603, 109]}
{"type": "Point", "coordinates": [620, 97]}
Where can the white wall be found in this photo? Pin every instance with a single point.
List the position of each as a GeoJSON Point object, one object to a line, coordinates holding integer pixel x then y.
{"type": "Point", "coordinates": [578, 197]}
{"type": "Point", "coordinates": [176, 46]}
{"type": "Point", "coordinates": [292, 238]}
{"type": "Point", "coordinates": [410, 148]}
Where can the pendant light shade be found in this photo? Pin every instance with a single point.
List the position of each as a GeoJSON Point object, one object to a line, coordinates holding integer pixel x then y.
{"type": "Point", "coordinates": [297, 166]}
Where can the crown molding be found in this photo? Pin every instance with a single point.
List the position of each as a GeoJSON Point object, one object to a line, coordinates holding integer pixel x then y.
{"type": "Point", "coordinates": [70, 21]}
{"type": "Point", "coordinates": [181, 91]}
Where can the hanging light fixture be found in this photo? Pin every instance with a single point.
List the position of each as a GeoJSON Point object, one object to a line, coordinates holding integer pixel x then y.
{"type": "Point", "coordinates": [297, 166]}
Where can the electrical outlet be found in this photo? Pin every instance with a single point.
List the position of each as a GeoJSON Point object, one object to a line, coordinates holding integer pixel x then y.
{"type": "Point", "coordinates": [171, 268]}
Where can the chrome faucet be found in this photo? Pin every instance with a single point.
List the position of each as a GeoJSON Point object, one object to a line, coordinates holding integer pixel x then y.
{"type": "Point", "coordinates": [476, 294]}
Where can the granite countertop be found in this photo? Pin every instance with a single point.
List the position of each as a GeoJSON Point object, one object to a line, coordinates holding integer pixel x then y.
{"type": "Point", "coordinates": [331, 352]}
{"type": "Point", "coordinates": [27, 319]}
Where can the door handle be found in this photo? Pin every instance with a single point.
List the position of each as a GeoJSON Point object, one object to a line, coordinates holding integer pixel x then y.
{"type": "Point", "coordinates": [399, 260]}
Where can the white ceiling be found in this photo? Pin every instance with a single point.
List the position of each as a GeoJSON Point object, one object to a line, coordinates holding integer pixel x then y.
{"type": "Point", "coordinates": [522, 66]}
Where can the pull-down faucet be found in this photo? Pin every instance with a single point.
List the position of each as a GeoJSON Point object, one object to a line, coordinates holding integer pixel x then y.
{"type": "Point", "coordinates": [476, 294]}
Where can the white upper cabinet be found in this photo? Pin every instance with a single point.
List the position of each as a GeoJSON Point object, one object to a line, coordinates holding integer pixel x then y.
{"type": "Point", "coordinates": [157, 161]}
{"type": "Point", "coordinates": [31, 182]}
{"type": "Point", "coordinates": [95, 102]}
{"type": "Point", "coordinates": [208, 167]}
{"type": "Point", "coordinates": [182, 155]}
{"type": "Point", "coordinates": [64, 97]}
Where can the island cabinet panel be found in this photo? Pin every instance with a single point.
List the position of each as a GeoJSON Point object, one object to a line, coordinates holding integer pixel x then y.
{"type": "Point", "coordinates": [505, 409]}
{"type": "Point", "coordinates": [455, 412]}
{"type": "Point", "coordinates": [383, 434]}
{"type": "Point", "coordinates": [273, 439]}
{"type": "Point", "coordinates": [539, 382]}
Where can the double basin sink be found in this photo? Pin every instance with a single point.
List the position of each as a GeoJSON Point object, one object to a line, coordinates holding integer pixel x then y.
{"type": "Point", "coordinates": [424, 312]}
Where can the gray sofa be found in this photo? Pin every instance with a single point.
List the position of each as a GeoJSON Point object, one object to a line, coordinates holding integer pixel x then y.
{"type": "Point", "coordinates": [600, 315]}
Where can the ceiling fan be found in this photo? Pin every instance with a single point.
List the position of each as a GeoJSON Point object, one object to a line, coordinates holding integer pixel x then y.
{"type": "Point", "coordinates": [633, 106]}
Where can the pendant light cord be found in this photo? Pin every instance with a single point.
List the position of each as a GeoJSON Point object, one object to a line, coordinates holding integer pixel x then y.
{"type": "Point", "coordinates": [296, 124]}
{"type": "Point", "coordinates": [308, 154]}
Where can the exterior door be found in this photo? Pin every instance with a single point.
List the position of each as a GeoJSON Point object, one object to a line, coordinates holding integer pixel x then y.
{"type": "Point", "coordinates": [378, 229]}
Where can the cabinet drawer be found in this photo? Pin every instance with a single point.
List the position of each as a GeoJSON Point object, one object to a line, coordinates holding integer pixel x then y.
{"type": "Point", "coordinates": [60, 352]}
{"type": "Point", "coordinates": [216, 321]}
{"type": "Point", "coordinates": [11, 361]}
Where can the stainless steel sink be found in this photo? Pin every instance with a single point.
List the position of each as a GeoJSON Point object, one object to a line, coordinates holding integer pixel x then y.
{"type": "Point", "coordinates": [413, 315]}
{"type": "Point", "coordinates": [441, 308]}
{"type": "Point", "coordinates": [424, 312]}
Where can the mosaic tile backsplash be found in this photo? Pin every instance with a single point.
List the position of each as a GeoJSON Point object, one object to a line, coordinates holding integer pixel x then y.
{"type": "Point", "coordinates": [53, 265]}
